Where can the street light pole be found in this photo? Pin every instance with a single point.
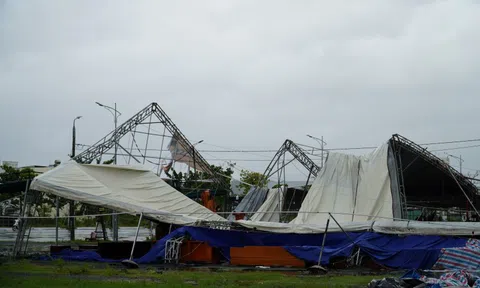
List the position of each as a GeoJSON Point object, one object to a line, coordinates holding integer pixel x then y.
{"type": "Point", "coordinates": [321, 142]}
{"type": "Point", "coordinates": [193, 152]}
{"type": "Point", "coordinates": [459, 159]}
{"type": "Point", "coordinates": [71, 204]}
{"type": "Point", "coordinates": [116, 146]}
{"type": "Point", "coordinates": [74, 136]}
{"type": "Point", "coordinates": [115, 114]}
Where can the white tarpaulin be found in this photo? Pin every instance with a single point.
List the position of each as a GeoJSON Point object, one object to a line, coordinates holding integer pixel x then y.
{"type": "Point", "coordinates": [374, 196]}
{"type": "Point", "coordinates": [380, 226]}
{"type": "Point", "coordinates": [270, 209]}
{"type": "Point", "coordinates": [354, 188]}
{"type": "Point", "coordinates": [305, 228]}
{"type": "Point", "coordinates": [123, 188]}
{"type": "Point", "coordinates": [332, 191]}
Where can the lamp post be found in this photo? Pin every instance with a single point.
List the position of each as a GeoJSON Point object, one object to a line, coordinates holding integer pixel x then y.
{"type": "Point", "coordinates": [193, 152]}
{"type": "Point", "coordinates": [71, 205]}
{"type": "Point", "coordinates": [458, 158]}
{"type": "Point", "coordinates": [74, 136]}
{"type": "Point", "coordinates": [321, 142]}
{"type": "Point", "coordinates": [115, 114]}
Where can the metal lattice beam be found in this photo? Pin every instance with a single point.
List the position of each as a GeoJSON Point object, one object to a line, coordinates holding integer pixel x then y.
{"type": "Point", "coordinates": [297, 153]}
{"type": "Point", "coordinates": [399, 142]}
{"type": "Point", "coordinates": [106, 143]}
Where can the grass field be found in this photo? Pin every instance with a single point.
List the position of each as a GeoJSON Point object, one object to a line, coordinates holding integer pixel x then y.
{"type": "Point", "coordinates": [62, 274]}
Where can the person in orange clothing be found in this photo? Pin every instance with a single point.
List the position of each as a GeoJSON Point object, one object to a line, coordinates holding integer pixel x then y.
{"type": "Point", "coordinates": [208, 201]}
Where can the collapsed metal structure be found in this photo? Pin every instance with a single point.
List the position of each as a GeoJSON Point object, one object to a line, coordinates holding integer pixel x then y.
{"type": "Point", "coordinates": [425, 180]}
{"type": "Point", "coordinates": [101, 147]}
{"type": "Point", "coordinates": [297, 153]}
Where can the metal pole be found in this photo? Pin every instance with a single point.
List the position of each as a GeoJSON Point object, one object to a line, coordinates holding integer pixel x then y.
{"type": "Point", "coordinates": [323, 242]}
{"type": "Point", "coordinates": [136, 235]}
{"type": "Point", "coordinates": [56, 220]}
{"type": "Point", "coordinates": [460, 164]}
{"type": "Point", "coordinates": [159, 170]}
{"type": "Point", "coordinates": [115, 120]}
{"type": "Point", "coordinates": [73, 139]}
{"type": "Point", "coordinates": [308, 178]}
{"type": "Point", "coordinates": [133, 141]}
{"type": "Point", "coordinates": [194, 164]}
{"type": "Point", "coordinates": [322, 151]}
{"type": "Point", "coordinates": [115, 217]}
{"type": "Point", "coordinates": [148, 137]}
{"type": "Point", "coordinates": [71, 219]}
{"type": "Point", "coordinates": [70, 206]}
{"type": "Point", "coordinates": [350, 238]}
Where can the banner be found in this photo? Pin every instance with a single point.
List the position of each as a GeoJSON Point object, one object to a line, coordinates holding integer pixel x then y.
{"type": "Point", "coordinates": [179, 154]}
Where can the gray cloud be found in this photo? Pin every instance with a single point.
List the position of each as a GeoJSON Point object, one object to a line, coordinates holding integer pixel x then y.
{"type": "Point", "coordinates": [243, 74]}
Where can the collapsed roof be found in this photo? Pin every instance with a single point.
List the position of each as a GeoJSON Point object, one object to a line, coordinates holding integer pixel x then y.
{"type": "Point", "coordinates": [123, 188]}
{"type": "Point", "coordinates": [382, 185]}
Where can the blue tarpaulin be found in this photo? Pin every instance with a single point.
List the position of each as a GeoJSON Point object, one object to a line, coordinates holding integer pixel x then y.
{"type": "Point", "coordinates": [406, 252]}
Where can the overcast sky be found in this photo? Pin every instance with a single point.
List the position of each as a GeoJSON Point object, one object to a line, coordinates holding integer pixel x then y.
{"type": "Point", "coordinates": [240, 74]}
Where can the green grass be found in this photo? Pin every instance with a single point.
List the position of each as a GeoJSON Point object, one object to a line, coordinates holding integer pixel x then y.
{"type": "Point", "coordinates": [62, 274]}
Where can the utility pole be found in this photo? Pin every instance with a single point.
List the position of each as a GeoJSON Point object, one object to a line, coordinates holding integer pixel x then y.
{"type": "Point", "coordinates": [459, 159]}
{"type": "Point", "coordinates": [116, 145]}
{"type": "Point", "coordinates": [71, 204]}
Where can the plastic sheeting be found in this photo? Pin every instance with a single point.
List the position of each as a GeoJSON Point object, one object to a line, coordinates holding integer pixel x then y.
{"type": "Point", "coordinates": [305, 228]}
{"type": "Point", "coordinates": [427, 228]}
{"type": "Point", "coordinates": [225, 239]}
{"type": "Point", "coordinates": [414, 251]}
{"type": "Point", "coordinates": [411, 252]}
{"type": "Point", "coordinates": [333, 191]}
{"type": "Point", "coordinates": [374, 197]}
{"type": "Point", "coordinates": [251, 202]}
{"type": "Point", "coordinates": [467, 257]}
{"type": "Point", "coordinates": [271, 208]}
{"type": "Point", "coordinates": [123, 188]}
{"type": "Point", "coordinates": [380, 226]}
{"type": "Point", "coordinates": [355, 188]}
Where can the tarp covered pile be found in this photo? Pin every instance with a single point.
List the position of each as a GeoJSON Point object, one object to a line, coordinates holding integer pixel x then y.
{"type": "Point", "coordinates": [408, 252]}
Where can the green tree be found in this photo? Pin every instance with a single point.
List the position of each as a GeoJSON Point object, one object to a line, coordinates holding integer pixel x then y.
{"type": "Point", "coordinates": [191, 181]}
{"type": "Point", "coordinates": [252, 178]}
{"type": "Point", "coordinates": [13, 174]}
{"type": "Point", "coordinates": [280, 185]}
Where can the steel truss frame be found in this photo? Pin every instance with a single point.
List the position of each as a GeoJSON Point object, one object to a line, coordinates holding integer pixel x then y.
{"type": "Point", "coordinates": [297, 153]}
{"type": "Point", "coordinates": [106, 143]}
{"type": "Point", "coordinates": [398, 143]}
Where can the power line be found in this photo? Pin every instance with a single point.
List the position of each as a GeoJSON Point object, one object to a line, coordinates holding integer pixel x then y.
{"type": "Point", "coordinates": [230, 150]}
{"type": "Point", "coordinates": [452, 142]}
{"type": "Point", "coordinates": [455, 148]}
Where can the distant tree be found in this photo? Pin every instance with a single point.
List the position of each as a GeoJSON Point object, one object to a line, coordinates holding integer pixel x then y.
{"type": "Point", "coordinates": [192, 180]}
{"type": "Point", "coordinates": [280, 185]}
{"type": "Point", "coordinates": [252, 178]}
{"type": "Point", "coordinates": [14, 174]}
